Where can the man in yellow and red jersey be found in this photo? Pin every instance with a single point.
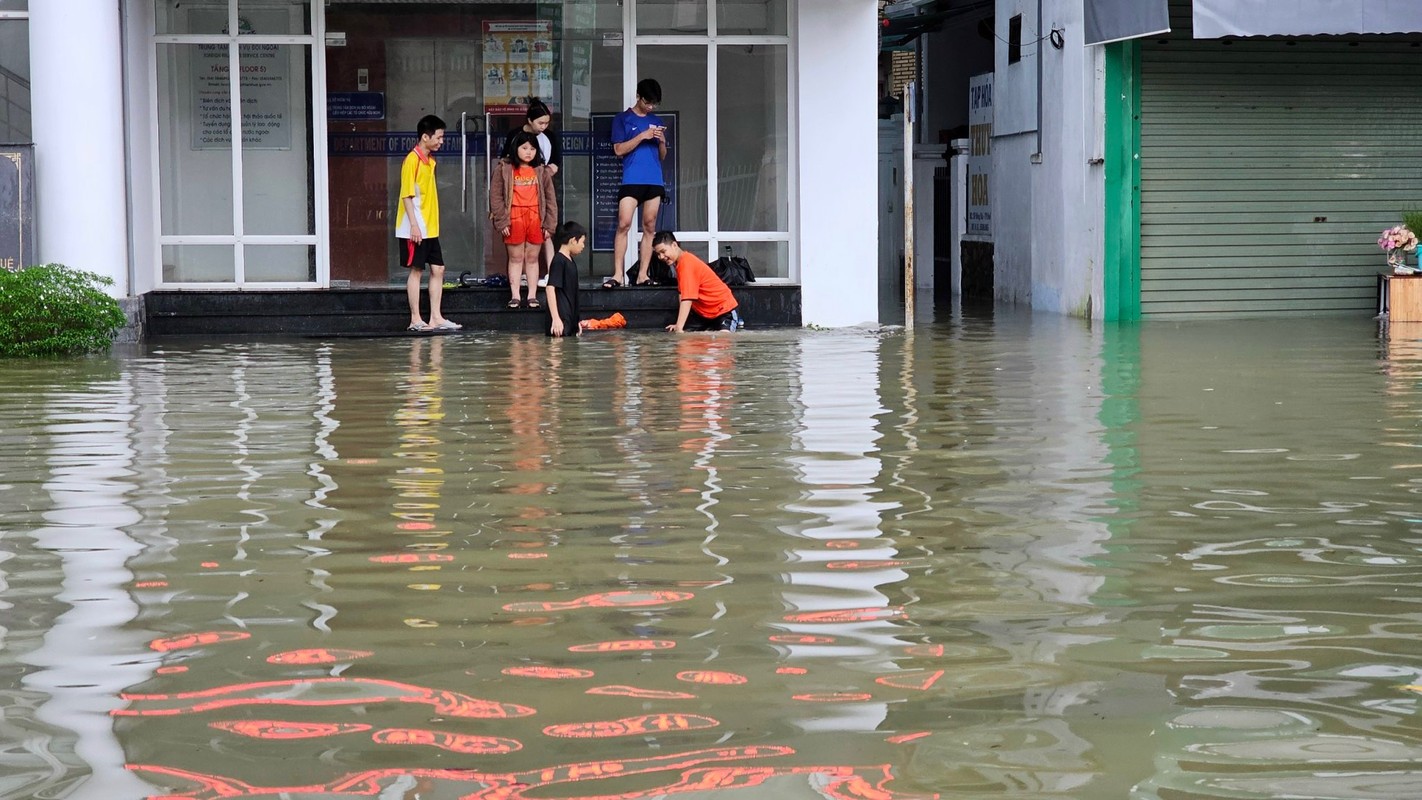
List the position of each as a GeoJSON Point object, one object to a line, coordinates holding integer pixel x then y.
{"type": "Point", "coordinates": [417, 226]}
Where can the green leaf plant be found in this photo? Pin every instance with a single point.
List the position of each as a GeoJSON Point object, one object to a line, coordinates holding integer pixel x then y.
{"type": "Point", "coordinates": [52, 310]}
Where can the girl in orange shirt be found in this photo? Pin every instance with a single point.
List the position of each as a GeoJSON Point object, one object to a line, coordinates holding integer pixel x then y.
{"type": "Point", "coordinates": [524, 210]}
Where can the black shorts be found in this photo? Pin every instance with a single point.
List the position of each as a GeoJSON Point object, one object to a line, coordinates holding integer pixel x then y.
{"type": "Point", "coordinates": [641, 192]}
{"type": "Point", "coordinates": [416, 256]}
{"type": "Point", "coordinates": [729, 321]}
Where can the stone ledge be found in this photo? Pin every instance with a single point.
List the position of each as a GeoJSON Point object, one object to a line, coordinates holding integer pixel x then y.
{"type": "Point", "coordinates": [353, 312]}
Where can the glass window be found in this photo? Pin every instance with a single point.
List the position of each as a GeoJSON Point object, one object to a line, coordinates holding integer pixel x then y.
{"type": "Point", "coordinates": [188, 16]}
{"type": "Point", "coordinates": [671, 16]}
{"type": "Point", "coordinates": [194, 139]}
{"type": "Point", "coordinates": [277, 175]}
{"type": "Point", "coordinates": [274, 17]}
{"type": "Point", "coordinates": [753, 138]}
{"type": "Point", "coordinates": [279, 263]}
{"type": "Point", "coordinates": [752, 18]}
{"type": "Point", "coordinates": [700, 249]}
{"type": "Point", "coordinates": [767, 259]}
{"type": "Point", "coordinates": [199, 263]}
{"type": "Point", "coordinates": [264, 17]}
{"type": "Point", "coordinates": [592, 84]}
{"type": "Point", "coordinates": [15, 80]}
{"type": "Point", "coordinates": [681, 70]}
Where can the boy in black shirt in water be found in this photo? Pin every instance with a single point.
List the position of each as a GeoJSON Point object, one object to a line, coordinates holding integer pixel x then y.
{"type": "Point", "coordinates": [562, 289]}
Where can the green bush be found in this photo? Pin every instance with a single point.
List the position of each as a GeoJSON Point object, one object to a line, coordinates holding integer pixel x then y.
{"type": "Point", "coordinates": [50, 309]}
{"type": "Point", "coordinates": [1413, 221]}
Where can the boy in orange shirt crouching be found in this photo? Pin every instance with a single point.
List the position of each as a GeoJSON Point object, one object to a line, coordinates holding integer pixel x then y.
{"type": "Point", "coordinates": [706, 301]}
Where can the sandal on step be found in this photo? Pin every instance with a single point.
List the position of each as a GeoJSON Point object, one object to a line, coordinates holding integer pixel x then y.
{"type": "Point", "coordinates": [513, 302]}
{"type": "Point", "coordinates": [612, 283]}
{"type": "Point", "coordinates": [533, 303]}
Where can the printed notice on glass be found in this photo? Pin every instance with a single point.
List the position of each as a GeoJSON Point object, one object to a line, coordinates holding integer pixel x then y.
{"type": "Point", "coordinates": [265, 90]}
{"type": "Point", "coordinates": [518, 64]}
{"type": "Point", "coordinates": [579, 24]}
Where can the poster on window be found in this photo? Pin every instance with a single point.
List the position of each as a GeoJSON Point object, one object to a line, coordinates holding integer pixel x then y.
{"type": "Point", "coordinates": [265, 87]}
{"type": "Point", "coordinates": [579, 24]}
{"type": "Point", "coordinates": [518, 64]}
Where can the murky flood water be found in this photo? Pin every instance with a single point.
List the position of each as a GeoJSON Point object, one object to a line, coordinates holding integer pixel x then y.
{"type": "Point", "coordinates": [1016, 558]}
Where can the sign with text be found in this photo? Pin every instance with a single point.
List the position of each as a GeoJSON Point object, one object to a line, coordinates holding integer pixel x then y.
{"type": "Point", "coordinates": [518, 64]}
{"type": "Point", "coordinates": [264, 86]}
{"type": "Point", "coordinates": [607, 180]}
{"type": "Point", "coordinates": [980, 157]}
{"type": "Point", "coordinates": [17, 206]}
{"type": "Point", "coordinates": [355, 106]}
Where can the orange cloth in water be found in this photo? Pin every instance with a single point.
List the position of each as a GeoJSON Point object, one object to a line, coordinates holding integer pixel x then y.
{"type": "Point", "coordinates": [607, 323]}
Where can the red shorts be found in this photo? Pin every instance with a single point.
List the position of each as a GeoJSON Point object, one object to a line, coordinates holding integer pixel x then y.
{"type": "Point", "coordinates": [524, 226]}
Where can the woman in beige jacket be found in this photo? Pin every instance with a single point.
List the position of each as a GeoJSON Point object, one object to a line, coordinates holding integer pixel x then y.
{"type": "Point", "coordinates": [524, 210]}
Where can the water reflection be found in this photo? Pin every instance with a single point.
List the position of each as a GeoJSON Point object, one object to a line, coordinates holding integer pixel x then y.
{"type": "Point", "coordinates": [1009, 557]}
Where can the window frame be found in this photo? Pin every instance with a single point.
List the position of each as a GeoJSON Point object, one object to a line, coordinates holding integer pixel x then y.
{"type": "Point", "coordinates": [238, 240]}
{"type": "Point", "coordinates": [20, 16]}
{"type": "Point", "coordinates": [713, 236]}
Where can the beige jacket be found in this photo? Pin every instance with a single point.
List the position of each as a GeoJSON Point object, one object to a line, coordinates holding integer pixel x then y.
{"type": "Point", "coordinates": [501, 197]}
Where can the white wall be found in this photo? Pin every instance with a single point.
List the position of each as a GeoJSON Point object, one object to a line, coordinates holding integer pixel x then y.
{"type": "Point", "coordinates": [76, 86]}
{"type": "Point", "coordinates": [1069, 200]}
{"type": "Point", "coordinates": [836, 68]}
{"type": "Point", "coordinates": [1015, 86]}
{"type": "Point", "coordinates": [1047, 216]}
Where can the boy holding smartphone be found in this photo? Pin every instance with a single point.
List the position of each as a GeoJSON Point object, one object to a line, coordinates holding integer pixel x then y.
{"type": "Point", "coordinates": [639, 139]}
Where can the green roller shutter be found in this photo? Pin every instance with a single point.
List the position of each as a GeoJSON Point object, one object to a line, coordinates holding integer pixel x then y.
{"type": "Point", "coordinates": [1268, 170]}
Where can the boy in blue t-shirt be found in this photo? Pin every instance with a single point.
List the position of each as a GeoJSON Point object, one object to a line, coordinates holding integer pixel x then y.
{"type": "Point", "coordinates": [639, 139]}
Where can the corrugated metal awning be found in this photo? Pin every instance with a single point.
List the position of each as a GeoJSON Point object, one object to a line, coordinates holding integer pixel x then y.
{"type": "Point", "coordinates": [1218, 18]}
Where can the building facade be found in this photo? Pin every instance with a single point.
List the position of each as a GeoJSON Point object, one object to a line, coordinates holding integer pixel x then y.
{"type": "Point", "coordinates": [1179, 159]}
{"type": "Point", "coordinates": [770, 102]}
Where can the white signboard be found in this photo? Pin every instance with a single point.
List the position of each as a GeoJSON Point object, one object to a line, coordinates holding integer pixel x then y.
{"type": "Point", "coordinates": [265, 91]}
{"type": "Point", "coordinates": [980, 157]}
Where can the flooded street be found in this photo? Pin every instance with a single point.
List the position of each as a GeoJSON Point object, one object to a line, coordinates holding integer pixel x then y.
{"type": "Point", "coordinates": [1020, 557]}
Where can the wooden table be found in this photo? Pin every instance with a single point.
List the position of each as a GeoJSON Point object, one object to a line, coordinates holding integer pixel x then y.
{"type": "Point", "coordinates": [1400, 297]}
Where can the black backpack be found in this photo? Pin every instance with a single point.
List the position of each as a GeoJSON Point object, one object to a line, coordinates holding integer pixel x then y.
{"type": "Point", "coordinates": [733, 270]}
{"type": "Point", "coordinates": [660, 273]}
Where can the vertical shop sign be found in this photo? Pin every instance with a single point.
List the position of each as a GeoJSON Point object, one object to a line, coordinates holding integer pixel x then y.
{"type": "Point", "coordinates": [607, 180]}
{"type": "Point", "coordinates": [518, 64]}
{"type": "Point", "coordinates": [980, 121]}
{"type": "Point", "coordinates": [266, 95]}
{"type": "Point", "coordinates": [579, 21]}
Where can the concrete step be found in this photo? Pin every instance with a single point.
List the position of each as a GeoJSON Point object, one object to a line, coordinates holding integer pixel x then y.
{"type": "Point", "coordinates": [354, 312]}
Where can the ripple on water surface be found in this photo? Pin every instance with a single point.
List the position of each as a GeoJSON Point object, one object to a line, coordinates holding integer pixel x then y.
{"type": "Point", "coordinates": [1005, 557]}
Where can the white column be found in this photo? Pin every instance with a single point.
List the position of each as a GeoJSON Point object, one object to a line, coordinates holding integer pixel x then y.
{"type": "Point", "coordinates": [958, 227]}
{"type": "Point", "coordinates": [837, 45]}
{"type": "Point", "coordinates": [926, 160]}
{"type": "Point", "coordinates": [76, 66]}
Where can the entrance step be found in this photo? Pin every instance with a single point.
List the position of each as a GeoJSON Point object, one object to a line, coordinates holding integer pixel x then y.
{"type": "Point", "coordinates": [354, 312]}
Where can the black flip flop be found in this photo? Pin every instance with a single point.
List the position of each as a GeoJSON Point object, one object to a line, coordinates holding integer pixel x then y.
{"type": "Point", "coordinates": [612, 283]}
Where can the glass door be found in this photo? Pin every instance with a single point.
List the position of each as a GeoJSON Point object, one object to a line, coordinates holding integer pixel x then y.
{"type": "Point", "coordinates": [388, 65]}
{"type": "Point", "coordinates": [474, 64]}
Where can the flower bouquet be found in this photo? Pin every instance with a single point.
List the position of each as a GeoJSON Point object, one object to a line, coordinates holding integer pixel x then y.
{"type": "Point", "coordinates": [1398, 241]}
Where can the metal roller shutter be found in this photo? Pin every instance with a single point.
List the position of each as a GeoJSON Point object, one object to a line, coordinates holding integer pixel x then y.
{"type": "Point", "coordinates": [1268, 170]}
